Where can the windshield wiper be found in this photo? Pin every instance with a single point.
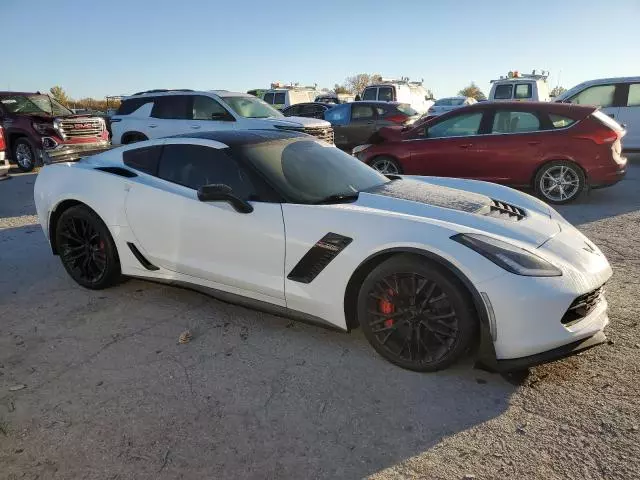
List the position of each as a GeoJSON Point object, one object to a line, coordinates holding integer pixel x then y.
{"type": "Point", "coordinates": [338, 198]}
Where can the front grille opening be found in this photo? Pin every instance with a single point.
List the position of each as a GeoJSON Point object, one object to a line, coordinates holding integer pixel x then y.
{"type": "Point", "coordinates": [582, 306]}
{"type": "Point", "coordinates": [505, 211]}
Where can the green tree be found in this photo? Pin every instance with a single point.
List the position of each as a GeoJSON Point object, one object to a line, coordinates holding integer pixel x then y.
{"type": "Point", "coordinates": [472, 91]}
{"type": "Point", "coordinates": [557, 90]}
{"type": "Point", "coordinates": [59, 94]}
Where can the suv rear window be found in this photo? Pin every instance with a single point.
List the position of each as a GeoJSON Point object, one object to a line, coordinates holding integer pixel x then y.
{"type": "Point", "coordinates": [130, 105]}
{"type": "Point", "coordinates": [523, 90]}
{"type": "Point", "coordinates": [268, 97]}
{"type": "Point", "coordinates": [370, 93]}
{"type": "Point", "coordinates": [385, 94]}
{"type": "Point", "coordinates": [280, 98]}
{"type": "Point", "coordinates": [503, 92]}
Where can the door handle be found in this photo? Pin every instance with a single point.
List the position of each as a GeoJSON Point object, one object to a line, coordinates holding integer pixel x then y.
{"type": "Point", "coordinates": [153, 126]}
{"type": "Point", "coordinates": [466, 145]}
{"type": "Point", "coordinates": [195, 127]}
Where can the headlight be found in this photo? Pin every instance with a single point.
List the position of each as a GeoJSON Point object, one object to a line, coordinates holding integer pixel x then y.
{"type": "Point", "coordinates": [41, 128]}
{"type": "Point", "coordinates": [513, 259]}
{"type": "Point", "coordinates": [360, 148]}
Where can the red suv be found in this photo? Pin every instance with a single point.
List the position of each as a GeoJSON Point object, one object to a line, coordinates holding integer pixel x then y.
{"type": "Point", "coordinates": [557, 149]}
{"type": "Point", "coordinates": [36, 124]}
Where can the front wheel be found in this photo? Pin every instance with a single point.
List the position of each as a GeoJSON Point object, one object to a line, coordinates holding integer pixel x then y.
{"type": "Point", "coordinates": [86, 248]}
{"type": "Point", "coordinates": [386, 166]}
{"type": "Point", "coordinates": [416, 314]}
{"type": "Point", "coordinates": [24, 155]}
{"type": "Point", "coordinates": [559, 182]}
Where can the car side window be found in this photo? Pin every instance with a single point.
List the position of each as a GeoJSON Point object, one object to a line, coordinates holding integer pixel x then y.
{"type": "Point", "coordinates": [558, 121]}
{"type": "Point", "coordinates": [385, 94]}
{"type": "Point", "coordinates": [131, 105]}
{"type": "Point", "coordinates": [503, 92]}
{"type": "Point", "coordinates": [523, 90]}
{"type": "Point", "coordinates": [457, 126]}
{"type": "Point", "coordinates": [370, 93]}
{"type": "Point", "coordinates": [362, 112]}
{"type": "Point", "coordinates": [600, 95]}
{"type": "Point", "coordinates": [633, 100]}
{"type": "Point", "coordinates": [291, 111]}
{"type": "Point", "coordinates": [515, 122]}
{"type": "Point", "coordinates": [338, 115]}
{"type": "Point", "coordinates": [196, 165]}
{"type": "Point", "coordinates": [206, 108]}
{"type": "Point", "coordinates": [143, 159]}
{"type": "Point", "coordinates": [171, 107]}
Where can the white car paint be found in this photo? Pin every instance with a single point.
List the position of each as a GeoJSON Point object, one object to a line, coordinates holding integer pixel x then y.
{"type": "Point", "coordinates": [447, 104]}
{"type": "Point", "coordinates": [141, 120]}
{"type": "Point", "coordinates": [508, 90]}
{"type": "Point", "coordinates": [618, 97]}
{"type": "Point", "coordinates": [208, 244]}
{"type": "Point", "coordinates": [412, 93]}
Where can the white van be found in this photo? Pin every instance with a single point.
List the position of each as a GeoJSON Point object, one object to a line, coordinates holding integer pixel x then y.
{"type": "Point", "coordinates": [520, 87]}
{"type": "Point", "coordinates": [280, 98]}
{"type": "Point", "coordinates": [402, 91]}
{"type": "Point", "coordinates": [617, 97]}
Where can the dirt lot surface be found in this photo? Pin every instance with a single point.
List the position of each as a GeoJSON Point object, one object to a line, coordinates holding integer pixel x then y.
{"type": "Point", "coordinates": [95, 385]}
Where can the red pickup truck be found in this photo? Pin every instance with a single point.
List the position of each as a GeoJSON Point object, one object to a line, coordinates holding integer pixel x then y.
{"type": "Point", "coordinates": [36, 124]}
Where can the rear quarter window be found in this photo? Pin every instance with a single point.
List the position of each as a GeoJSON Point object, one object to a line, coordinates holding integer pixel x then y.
{"type": "Point", "coordinates": [143, 159]}
{"type": "Point", "coordinates": [558, 121]}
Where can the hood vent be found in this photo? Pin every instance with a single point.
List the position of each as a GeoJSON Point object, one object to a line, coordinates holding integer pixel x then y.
{"type": "Point", "coordinates": [505, 211]}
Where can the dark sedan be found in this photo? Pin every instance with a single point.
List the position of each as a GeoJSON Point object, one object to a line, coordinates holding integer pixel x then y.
{"type": "Point", "coordinates": [354, 123]}
{"type": "Point", "coordinates": [310, 110]}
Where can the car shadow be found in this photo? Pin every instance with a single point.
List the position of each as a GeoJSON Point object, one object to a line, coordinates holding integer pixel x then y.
{"type": "Point", "coordinates": [251, 395]}
{"type": "Point", "coordinates": [619, 199]}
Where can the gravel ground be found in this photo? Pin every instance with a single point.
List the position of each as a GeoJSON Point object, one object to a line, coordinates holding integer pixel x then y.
{"type": "Point", "coordinates": [95, 385]}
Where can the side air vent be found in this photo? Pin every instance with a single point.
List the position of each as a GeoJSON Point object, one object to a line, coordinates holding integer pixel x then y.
{"type": "Point", "coordinates": [582, 306]}
{"type": "Point", "coordinates": [505, 211]}
{"type": "Point", "coordinates": [143, 261]}
{"type": "Point", "coordinates": [318, 257]}
{"type": "Point", "coordinates": [122, 172]}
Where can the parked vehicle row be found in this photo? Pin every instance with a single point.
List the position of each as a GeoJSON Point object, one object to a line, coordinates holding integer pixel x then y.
{"type": "Point", "coordinates": [402, 91]}
{"type": "Point", "coordinates": [557, 149]}
{"type": "Point", "coordinates": [35, 123]}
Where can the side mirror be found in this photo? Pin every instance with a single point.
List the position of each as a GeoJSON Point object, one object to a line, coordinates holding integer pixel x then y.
{"type": "Point", "coordinates": [223, 193]}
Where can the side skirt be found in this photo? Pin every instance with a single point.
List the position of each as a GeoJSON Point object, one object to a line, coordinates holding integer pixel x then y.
{"type": "Point", "coordinates": [247, 302]}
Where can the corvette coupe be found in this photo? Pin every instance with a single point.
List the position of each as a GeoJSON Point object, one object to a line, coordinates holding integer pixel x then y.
{"type": "Point", "coordinates": [430, 268]}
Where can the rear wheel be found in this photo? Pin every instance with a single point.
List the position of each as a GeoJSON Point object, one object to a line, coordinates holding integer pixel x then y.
{"type": "Point", "coordinates": [416, 314]}
{"type": "Point", "coordinates": [86, 248]}
{"type": "Point", "coordinates": [386, 165]}
{"type": "Point", "coordinates": [559, 182]}
{"type": "Point", "coordinates": [24, 154]}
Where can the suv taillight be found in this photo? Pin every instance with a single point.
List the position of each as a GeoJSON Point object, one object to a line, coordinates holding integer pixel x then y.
{"type": "Point", "coordinates": [397, 118]}
{"type": "Point", "coordinates": [3, 144]}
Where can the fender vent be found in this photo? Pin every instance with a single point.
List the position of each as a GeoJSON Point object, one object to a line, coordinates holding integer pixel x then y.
{"type": "Point", "coordinates": [318, 257]}
{"type": "Point", "coordinates": [122, 172]}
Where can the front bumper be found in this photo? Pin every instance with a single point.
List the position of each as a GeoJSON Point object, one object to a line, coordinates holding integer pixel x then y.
{"type": "Point", "coordinates": [70, 153]}
{"type": "Point", "coordinates": [4, 164]}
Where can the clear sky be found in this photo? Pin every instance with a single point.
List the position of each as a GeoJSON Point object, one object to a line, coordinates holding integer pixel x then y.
{"type": "Point", "coordinates": [110, 47]}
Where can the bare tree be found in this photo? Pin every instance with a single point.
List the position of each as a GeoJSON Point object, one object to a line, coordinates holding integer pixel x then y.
{"type": "Point", "coordinates": [59, 94]}
{"type": "Point", "coordinates": [557, 90]}
{"type": "Point", "coordinates": [357, 83]}
{"type": "Point", "coordinates": [472, 91]}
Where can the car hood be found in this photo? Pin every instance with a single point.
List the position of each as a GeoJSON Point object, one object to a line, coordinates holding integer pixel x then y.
{"type": "Point", "coordinates": [500, 211]}
{"type": "Point", "coordinates": [298, 122]}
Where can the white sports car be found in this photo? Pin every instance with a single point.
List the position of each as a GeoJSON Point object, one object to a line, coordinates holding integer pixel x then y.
{"type": "Point", "coordinates": [427, 267]}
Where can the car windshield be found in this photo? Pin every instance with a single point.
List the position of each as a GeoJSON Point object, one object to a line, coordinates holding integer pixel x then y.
{"type": "Point", "coordinates": [34, 104]}
{"type": "Point", "coordinates": [251, 107]}
{"type": "Point", "coordinates": [310, 171]}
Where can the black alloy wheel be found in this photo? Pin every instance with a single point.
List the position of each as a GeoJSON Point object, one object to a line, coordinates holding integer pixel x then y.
{"type": "Point", "coordinates": [415, 314]}
{"type": "Point", "coordinates": [86, 248]}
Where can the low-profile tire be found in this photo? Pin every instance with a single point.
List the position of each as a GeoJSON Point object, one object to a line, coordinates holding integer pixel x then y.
{"type": "Point", "coordinates": [559, 182]}
{"type": "Point", "coordinates": [24, 154]}
{"type": "Point", "coordinates": [86, 248]}
{"type": "Point", "coordinates": [386, 165]}
{"type": "Point", "coordinates": [416, 314]}
{"type": "Point", "coordinates": [129, 138]}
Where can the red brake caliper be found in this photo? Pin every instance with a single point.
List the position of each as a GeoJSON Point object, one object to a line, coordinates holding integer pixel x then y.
{"type": "Point", "coordinates": [386, 307]}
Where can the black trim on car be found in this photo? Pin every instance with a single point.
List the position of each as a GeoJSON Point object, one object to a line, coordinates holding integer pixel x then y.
{"type": "Point", "coordinates": [122, 172]}
{"type": "Point", "coordinates": [514, 364]}
{"type": "Point", "coordinates": [318, 257]}
{"type": "Point", "coordinates": [143, 261]}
